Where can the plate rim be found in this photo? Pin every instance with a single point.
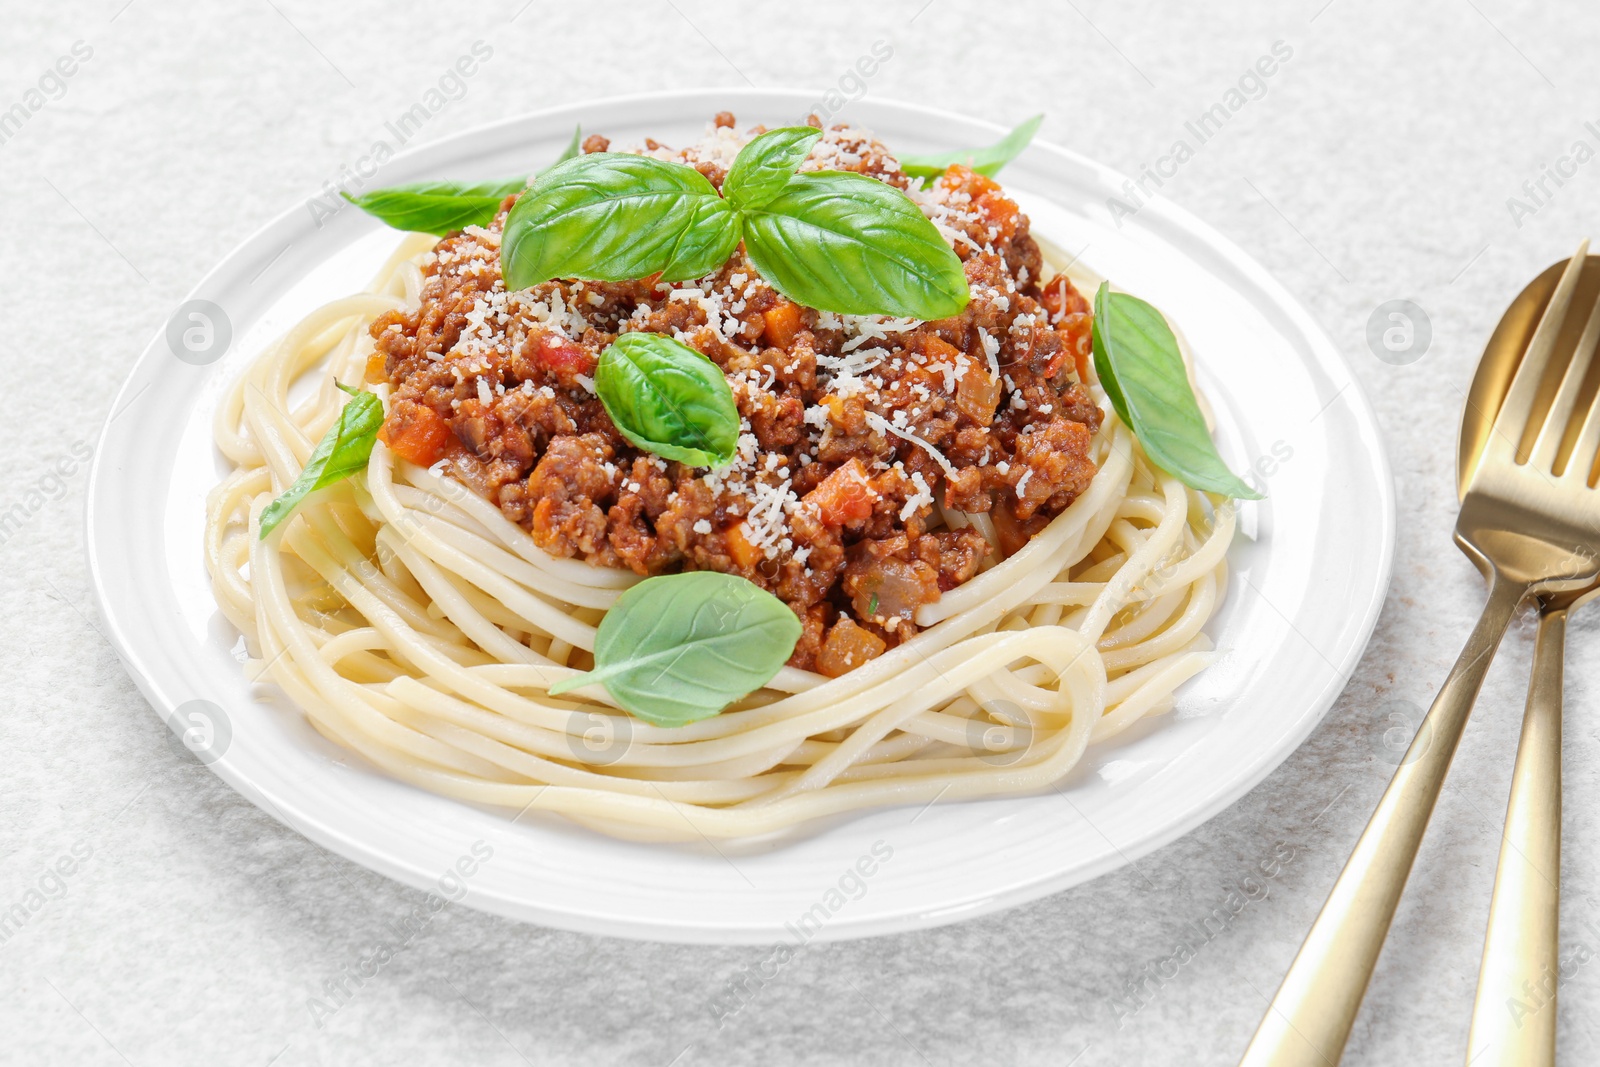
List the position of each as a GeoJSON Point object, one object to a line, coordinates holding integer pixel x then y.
{"type": "Point", "coordinates": [1325, 355]}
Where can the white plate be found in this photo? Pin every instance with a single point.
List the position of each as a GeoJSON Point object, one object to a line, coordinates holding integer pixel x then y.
{"type": "Point", "coordinates": [1309, 574]}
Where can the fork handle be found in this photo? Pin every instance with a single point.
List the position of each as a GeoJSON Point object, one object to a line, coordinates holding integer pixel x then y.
{"type": "Point", "coordinates": [1514, 1017]}
{"type": "Point", "coordinates": [1309, 1019]}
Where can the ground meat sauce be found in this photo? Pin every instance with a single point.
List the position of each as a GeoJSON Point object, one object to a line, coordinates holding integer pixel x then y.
{"type": "Point", "coordinates": [855, 429]}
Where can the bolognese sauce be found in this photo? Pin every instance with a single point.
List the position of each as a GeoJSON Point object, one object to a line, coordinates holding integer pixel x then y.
{"type": "Point", "coordinates": [862, 437]}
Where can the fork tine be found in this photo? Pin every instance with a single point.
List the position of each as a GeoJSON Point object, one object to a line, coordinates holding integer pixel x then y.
{"type": "Point", "coordinates": [1512, 419]}
{"type": "Point", "coordinates": [1581, 462]}
{"type": "Point", "coordinates": [1566, 398]}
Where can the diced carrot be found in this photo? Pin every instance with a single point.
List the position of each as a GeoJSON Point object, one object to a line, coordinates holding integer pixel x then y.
{"type": "Point", "coordinates": [416, 433]}
{"type": "Point", "coordinates": [781, 324]}
{"type": "Point", "coordinates": [847, 647]}
{"type": "Point", "coordinates": [845, 496]}
{"type": "Point", "coordinates": [740, 547]}
{"type": "Point", "coordinates": [1001, 214]}
{"type": "Point", "coordinates": [543, 519]}
{"type": "Point", "coordinates": [967, 180]}
{"type": "Point", "coordinates": [989, 202]}
{"type": "Point", "coordinates": [938, 350]}
{"type": "Point", "coordinates": [377, 369]}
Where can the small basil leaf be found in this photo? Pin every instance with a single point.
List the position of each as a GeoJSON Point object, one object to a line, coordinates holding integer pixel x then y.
{"type": "Point", "coordinates": [851, 244]}
{"type": "Point", "coordinates": [342, 452]}
{"type": "Point", "coordinates": [573, 149]}
{"type": "Point", "coordinates": [986, 161]}
{"type": "Point", "coordinates": [438, 208]}
{"type": "Point", "coordinates": [667, 398]}
{"type": "Point", "coordinates": [608, 216]}
{"type": "Point", "coordinates": [679, 648]}
{"type": "Point", "coordinates": [1137, 359]}
{"type": "Point", "coordinates": [763, 167]}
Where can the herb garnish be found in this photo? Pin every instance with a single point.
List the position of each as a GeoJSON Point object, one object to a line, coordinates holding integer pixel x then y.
{"type": "Point", "coordinates": [441, 208]}
{"type": "Point", "coordinates": [830, 240]}
{"type": "Point", "coordinates": [666, 398]}
{"type": "Point", "coordinates": [1142, 371]}
{"type": "Point", "coordinates": [851, 244]}
{"type": "Point", "coordinates": [986, 161]}
{"type": "Point", "coordinates": [765, 165]}
{"type": "Point", "coordinates": [681, 647]}
{"type": "Point", "coordinates": [342, 452]}
{"type": "Point", "coordinates": [609, 216]}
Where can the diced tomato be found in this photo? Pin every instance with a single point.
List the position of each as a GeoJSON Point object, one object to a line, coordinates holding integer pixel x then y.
{"type": "Point", "coordinates": [1060, 297]}
{"type": "Point", "coordinates": [1080, 333]}
{"type": "Point", "coordinates": [847, 647]}
{"type": "Point", "coordinates": [781, 324]}
{"type": "Point", "coordinates": [845, 496]}
{"type": "Point", "coordinates": [1070, 314]}
{"type": "Point", "coordinates": [416, 433]}
{"type": "Point", "coordinates": [740, 547]}
{"type": "Point", "coordinates": [562, 356]}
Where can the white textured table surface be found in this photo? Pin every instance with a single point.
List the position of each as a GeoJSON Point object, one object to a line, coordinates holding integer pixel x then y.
{"type": "Point", "coordinates": [1375, 164]}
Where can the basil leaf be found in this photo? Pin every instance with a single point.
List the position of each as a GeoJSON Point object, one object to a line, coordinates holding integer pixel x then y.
{"type": "Point", "coordinates": [438, 208]}
{"type": "Point", "coordinates": [1137, 359]}
{"type": "Point", "coordinates": [679, 648]}
{"type": "Point", "coordinates": [342, 452]}
{"type": "Point", "coordinates": [851, 244]}
{"type": "Point", "coordinates": [574, 147]}
{"type": "Point", "coordinates": [441, 208]}
{"type": "Point", "coordinates": [608, 216]}
{"type": "Point", "coordinates": [986, 161]}
{"type": "Point", "coordinates": [763, 167]}
{"type": "Point", "coordinates": [668, 399]}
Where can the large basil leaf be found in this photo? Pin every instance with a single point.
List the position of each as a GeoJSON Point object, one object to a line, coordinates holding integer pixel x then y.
{"type": "Point", "coordinates": [851, 244]}
{"type": "Point", "coordinates": [668, 399]}
{"type": "Point", "coordinates": [986, 161]}
{"type": "Point", "coordinates": [1137, 359]}
{"type": "Point", "coordinates": [342, 452]}
{"type": "Point", "coordinates": [609, 216]}
{"type": "Point", "coordinates": [763, 167]}
{"type": "Point", "coordinates": [681, 647]}
{"type": "Point", "coordinates": [440, 208]}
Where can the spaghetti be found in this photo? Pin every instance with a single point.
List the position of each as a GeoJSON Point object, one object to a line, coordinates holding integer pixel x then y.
{"type": "Point", "coordinates": [417, 625]}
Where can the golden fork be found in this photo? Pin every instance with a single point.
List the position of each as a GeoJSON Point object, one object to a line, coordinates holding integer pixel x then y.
{"type": "Point", "coordinates": [1529, 530]}
{"type": "Point", "coordinates": [1514, 1016]}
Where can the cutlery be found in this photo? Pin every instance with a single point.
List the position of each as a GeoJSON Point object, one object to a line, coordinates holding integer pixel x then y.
{"type": "Point", "coordinates": [1514, 1017]}
{"type": "Point", "coordinates": [1527, 529]}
